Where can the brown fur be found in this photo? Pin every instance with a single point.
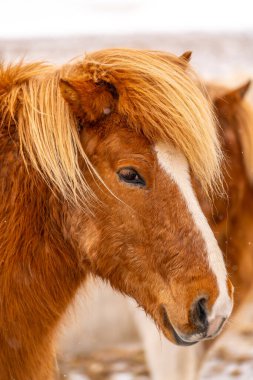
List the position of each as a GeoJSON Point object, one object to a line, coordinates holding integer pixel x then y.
{"type": "Point", "coordinates": [231, 217]}
{"type": "Point", "coordinates": [141, 240]}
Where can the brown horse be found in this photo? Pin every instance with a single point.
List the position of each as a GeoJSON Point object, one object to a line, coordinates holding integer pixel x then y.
{"type": "Point", "coordinates": [94, 180]}
{"type": "Point", "coordinates": [231, 217]}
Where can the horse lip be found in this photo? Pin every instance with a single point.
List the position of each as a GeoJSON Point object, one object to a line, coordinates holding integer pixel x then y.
{"type": "Point", "coordinates": [218, 329]}
{"type": "Point", "coordinates": [169, 326]}
{"type": "Point", "coordinates": [180, 341]}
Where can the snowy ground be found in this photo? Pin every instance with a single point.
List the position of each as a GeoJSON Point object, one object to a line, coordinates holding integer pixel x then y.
{"type": "Point", "coordinates": [218, 57]}
{"type": "Point", "coordinates": [121, 362]}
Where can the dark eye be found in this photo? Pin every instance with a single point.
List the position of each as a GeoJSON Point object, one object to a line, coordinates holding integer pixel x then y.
{"type": "Point", "coordinates": [131, 176]}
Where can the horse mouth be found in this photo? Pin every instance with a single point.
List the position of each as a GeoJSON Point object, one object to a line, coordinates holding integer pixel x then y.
{"type": "Point", "coordinates": [168, 325]}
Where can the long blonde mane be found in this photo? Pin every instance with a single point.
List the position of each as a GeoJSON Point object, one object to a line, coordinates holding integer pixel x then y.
{"type": "Point", "coordinates": [157, 94]}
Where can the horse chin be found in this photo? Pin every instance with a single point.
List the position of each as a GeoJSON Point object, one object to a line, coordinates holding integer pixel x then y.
{"type": "Point", "coordinates": [177, 339]}
{"type": "Point", "coordinates": [171, 333]}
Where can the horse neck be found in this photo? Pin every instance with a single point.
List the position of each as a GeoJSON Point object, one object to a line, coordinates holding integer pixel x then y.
{"type": "Point", "coordinates": [239, 245]}
{"type": "Point", "coordinates": [39, 272]}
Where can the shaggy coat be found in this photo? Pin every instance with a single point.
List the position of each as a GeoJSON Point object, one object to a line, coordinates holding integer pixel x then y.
{"type": "Point", "coordinates": [71, 140]}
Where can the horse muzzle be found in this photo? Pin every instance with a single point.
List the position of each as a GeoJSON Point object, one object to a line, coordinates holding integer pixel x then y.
{"type": "Point", "coordinates": [203, 327]}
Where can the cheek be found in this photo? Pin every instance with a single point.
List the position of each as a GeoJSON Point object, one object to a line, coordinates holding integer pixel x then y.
{"type": "Point", "coordinates": [90, 239]}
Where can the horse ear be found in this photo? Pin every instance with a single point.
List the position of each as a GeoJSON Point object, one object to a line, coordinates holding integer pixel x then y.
{"type": "Point", "coordinates": [89, 100]}
{"type": "Point", "coordinates": [236, 95]}
{"type": "Point", "coordinates": [70, 94]}
{"type": "Point", "coordinates": [186, 56]}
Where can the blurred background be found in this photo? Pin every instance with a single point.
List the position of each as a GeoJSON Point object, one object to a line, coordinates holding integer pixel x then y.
{"type": "Point", "coordinates": [99, 339]}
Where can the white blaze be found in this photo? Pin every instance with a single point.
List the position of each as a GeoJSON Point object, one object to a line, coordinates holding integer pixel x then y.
{"type": "Point", "coordinates": [176, 166]}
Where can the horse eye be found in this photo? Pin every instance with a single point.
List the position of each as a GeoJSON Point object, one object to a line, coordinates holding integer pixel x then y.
{"type": "Point", "coordinates": [131, 176]}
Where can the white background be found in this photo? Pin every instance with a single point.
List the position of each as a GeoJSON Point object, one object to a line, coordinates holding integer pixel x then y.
{"type": "Point", "coordinates": [32, 18]}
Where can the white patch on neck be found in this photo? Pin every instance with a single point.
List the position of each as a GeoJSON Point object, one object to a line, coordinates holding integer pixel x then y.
{"type": "Point", "coordinates": [176, 166]}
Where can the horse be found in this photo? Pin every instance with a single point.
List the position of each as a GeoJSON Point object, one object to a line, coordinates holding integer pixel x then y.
{"type": "Point", "coordinates": [96, 163]}
{"type": "Point", "coordinates": [231, 220]}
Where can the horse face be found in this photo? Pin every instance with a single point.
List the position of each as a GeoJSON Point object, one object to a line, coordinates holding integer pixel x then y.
{"type": "Point", "coordinates": [148, 236]}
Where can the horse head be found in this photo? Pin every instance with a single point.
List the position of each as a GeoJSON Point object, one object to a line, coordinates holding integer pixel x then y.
{"type": "Point", "coordinates": [145, 129]}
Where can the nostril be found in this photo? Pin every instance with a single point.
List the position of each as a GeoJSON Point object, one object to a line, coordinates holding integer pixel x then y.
{"type": "Point", "coordinates": [201, 310]}
{"type": "Point", "coordinates": [199, 313]}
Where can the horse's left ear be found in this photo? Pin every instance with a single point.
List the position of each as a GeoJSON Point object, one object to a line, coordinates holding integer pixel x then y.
{"type": "Point", "coordinates": [184, 59]}
{"type": "Point", "coordinates": [186, 56]}
{"type": "Point", "coordinates": [236, 95]}
{"type": "Point", "coordinates": [89, 100]}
